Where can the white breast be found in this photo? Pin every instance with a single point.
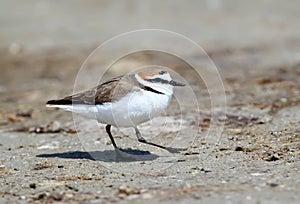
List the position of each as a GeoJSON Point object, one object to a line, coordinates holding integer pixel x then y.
{"type": "Point", "coordinates": [133, 109]}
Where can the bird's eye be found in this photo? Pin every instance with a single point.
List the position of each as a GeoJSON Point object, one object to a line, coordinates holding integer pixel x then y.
{"type": "Point", "coordinates": [162, 72]}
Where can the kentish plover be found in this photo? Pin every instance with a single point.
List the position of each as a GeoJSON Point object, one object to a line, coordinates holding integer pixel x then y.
{"type": "Point", "coordinates": [125, 101]}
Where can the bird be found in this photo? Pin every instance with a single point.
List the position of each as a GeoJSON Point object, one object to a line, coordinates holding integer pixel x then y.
{"type": "Point", "coordinates": [124, 101]}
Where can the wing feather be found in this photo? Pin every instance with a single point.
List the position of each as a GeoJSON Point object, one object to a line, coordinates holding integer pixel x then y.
{"type": "Point", "coordinates": [109, 91]}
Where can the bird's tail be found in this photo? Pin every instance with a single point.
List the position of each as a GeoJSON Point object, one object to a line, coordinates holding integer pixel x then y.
{"type": "Point", "coordinates": [59, 102]}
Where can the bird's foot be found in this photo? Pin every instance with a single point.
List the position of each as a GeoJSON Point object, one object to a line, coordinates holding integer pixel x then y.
{"type": "Point", "coordinates": [175, 150]}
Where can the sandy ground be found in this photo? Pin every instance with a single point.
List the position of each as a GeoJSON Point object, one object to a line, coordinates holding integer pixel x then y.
{"type": "Point", "coordinates": [45, 159]}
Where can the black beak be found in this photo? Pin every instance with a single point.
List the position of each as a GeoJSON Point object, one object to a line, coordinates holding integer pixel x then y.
{"type": "Point", "coordinates": [175, 83]}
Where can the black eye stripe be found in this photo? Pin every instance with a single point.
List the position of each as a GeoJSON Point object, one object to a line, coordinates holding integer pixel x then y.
{"type": "Point", "coordinates": [158, 80]}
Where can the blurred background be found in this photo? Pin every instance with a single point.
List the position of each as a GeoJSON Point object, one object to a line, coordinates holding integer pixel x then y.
{"type": "Point", "coordinates": [214, 24]}
{"type": "Point", "coordinates": [43, 43]}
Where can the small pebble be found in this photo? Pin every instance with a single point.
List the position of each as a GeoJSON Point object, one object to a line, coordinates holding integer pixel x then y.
{"type": "Point", "coordinates": [32, 185]}
{"type": "Point", "coordinates": [2, 167]}
{"type": "Point", "coordinates": [272, 158]}
{"type": "Point", "coordinates": [239, 149]}
{"type": "Point", "coordinates": [273, 185]}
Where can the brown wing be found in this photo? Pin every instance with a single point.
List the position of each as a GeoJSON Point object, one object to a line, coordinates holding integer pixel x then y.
{"type": "Point", "coordinates": [109, 91]}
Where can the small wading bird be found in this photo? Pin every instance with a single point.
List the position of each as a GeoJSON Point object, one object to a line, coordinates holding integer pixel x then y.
{"type": "Point", "coordinates": [125, 101]}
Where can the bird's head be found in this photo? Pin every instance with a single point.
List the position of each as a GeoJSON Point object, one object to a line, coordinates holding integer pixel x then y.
{"type": "Point", "coordinates": [157, 79]}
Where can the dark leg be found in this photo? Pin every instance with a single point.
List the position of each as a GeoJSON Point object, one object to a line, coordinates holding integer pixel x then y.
{"type": "Point", "coordinates": [110, 136]}
{"type": "Point", "coordinates": [169, 149]}
{"type": "Point", "coordinates": [119, 156]}
{"type": "Point", "coordinates": [141, 139]}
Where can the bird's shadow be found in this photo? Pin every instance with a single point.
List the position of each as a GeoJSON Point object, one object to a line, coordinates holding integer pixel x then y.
{"type": "Point", "coordinates": [124, 155]}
